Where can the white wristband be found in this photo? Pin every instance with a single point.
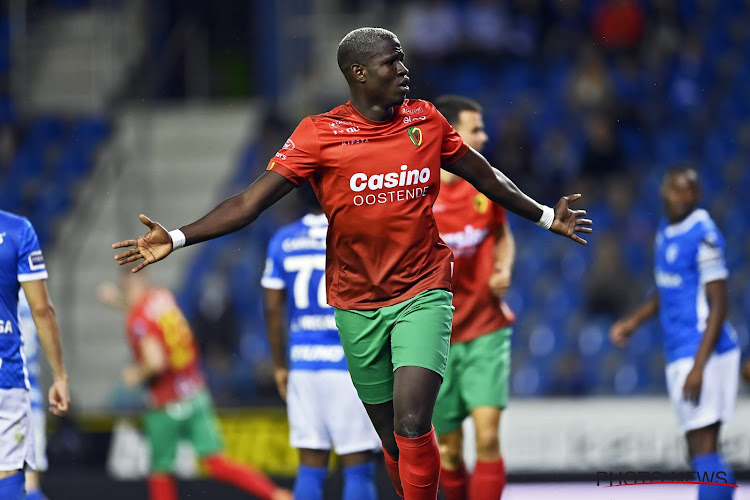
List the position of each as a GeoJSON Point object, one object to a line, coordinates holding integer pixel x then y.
{"type": "Point", "coordinates": [178, 239]}
{"type": "Point", "coordinates": [548, 215]}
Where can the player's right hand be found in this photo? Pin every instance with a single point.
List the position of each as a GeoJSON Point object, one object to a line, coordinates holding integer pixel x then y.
{"type": "Point", "coordinates": [151, 247]}
{"type": "Point", "coordinates": [620, 332]}
{"type": "Point", "coordinates": [59, 397]}
{"type": "Point", "coordinates": [281, 376]}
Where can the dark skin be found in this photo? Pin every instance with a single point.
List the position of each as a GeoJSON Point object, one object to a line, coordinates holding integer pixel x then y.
{"type": "Point", "coordinates": [681, 192]}
{"type": "Point", "coordinates": [376, 84]}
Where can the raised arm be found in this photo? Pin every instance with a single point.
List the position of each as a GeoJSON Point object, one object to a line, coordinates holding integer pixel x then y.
{"type": "Point", "coordinates": [232, 214]}
{"type": "Point", "coordinates": [497, 187]}
{"type": "Point", "coordinates": [623, 329]}
{"type": "Point", "coordinates": [48, 332]}
{"type": "Point", "coordinates": [274, 303]}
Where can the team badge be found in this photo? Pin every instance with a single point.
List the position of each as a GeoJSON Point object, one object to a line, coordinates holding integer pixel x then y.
{"type": "Point", "coordinates": [481, 203]}
{"type": "Point", "coordinates": [415, 134]}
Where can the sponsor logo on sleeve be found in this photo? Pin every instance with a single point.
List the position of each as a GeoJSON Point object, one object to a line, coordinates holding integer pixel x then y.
{"type": "Point", "coordinates": [289, 144]}
{"type": "Point", "coordinates": [36, 261]}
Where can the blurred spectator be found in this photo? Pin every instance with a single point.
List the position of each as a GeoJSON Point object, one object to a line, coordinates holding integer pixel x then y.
{"type": "Point", "coordinates": [589, 89]}
{"type": "Point", "coordinates": [558, 161]}
{"type": "Point", "coordinates": [433, 27]}
{"type": "Point", "coordinates": [489, 24]}
{"type": "Point", "coordinates": [689, 77]}
{"type": "Point", "coordinates": [566, 31]}
{"type": "Point", "coordinates": [602, 154]}
{"type": "Point", "coordinates": [618, 24]}
{"type": "Point", "coordinates": [609, 286]}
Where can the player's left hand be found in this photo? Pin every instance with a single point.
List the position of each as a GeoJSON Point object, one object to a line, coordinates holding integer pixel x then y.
{"type": "Point", "coordinates": [151, 247]}
{"type": "Point", "coordinates": [59, 397]}
{"type": "Point", "coordinates": [500, 281]}
{"type": "Point", "coordinates": [691, 391]}
{"type": "Point", "coordinates": [568, 222]}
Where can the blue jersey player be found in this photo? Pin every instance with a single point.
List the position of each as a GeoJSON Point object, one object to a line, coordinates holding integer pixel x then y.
{"type": "Point", "coordinates": [323, 407]}
{"type": "Point", "coordinates": [700, 347]}
{"type": "Point", "coordinates": [22, 266]}
{"type": "Point", "coordinates": [38, 420]}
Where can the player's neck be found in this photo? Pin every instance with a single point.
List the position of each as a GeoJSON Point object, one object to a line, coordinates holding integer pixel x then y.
{"type": "Point", "coordinates": [372, 112]}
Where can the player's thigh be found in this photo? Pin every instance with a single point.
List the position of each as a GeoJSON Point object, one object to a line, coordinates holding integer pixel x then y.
{"type": "Point", "coordinates": [450, 410]}
{"type": "Point", "coordinates": [484, 378]}
{"type": "Point", "coordinates": [203, 426]}
{"type": "Point", "coordinates": [163, 435]}
{"type": "Point", "coordinates": [306, 410]}
{"type": "Point", "coordinates": [16, 435]}
{"type": "Point", "coordinates": [346, 419]}
{"type": "Point", "coordinates": [365, 336]}
{"type": "Point", "coordinates": [421, 333]}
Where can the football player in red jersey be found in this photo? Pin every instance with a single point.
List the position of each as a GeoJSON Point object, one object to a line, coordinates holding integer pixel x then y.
{"type": "Point", "coordinates": [476, 379]}
{"type": "Point", "coordinates": [166, 360]}
{"type": "Point", "coordinates": [374, 164]}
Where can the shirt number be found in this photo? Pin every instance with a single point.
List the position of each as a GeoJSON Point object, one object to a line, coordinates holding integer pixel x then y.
{"type": "Point", "coordinates": [303, 266]}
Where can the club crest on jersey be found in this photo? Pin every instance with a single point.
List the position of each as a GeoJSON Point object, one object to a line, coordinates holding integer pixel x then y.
{"type": "Point", "coordinates": [415, 134]}
{"type": "Point", "coordinates": [481, 203]}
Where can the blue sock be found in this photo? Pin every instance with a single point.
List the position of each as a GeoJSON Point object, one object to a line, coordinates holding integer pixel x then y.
{"type": "Point", "coordinates": [11, 488]}
{"type": "Point", "coordinates": [359, 482]}
{"type": "Point", "coordinates": [35, 495]}
{"type": "Point", "coordinates": [309, 483]}
{"type": "Point", "coordinates": [711, 468]}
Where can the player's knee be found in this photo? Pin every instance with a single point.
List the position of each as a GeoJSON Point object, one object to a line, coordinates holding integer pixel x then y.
{"type": "Point", "coordinates": [412, 425]}
{"type": "Point", "coordinates": [488, 444]}
{"type": "Point", "coordinates": [450, 457]}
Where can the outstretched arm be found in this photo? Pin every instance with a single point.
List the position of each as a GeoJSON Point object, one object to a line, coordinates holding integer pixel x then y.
{"type": "Point", "coordinates": [230, 215]}
{"type": "Point", "coordinates": [621, 331]}
{"type": "Point", "coordinates": [274, 303]}
{"type": "Point", "coordinates": [497, 187]}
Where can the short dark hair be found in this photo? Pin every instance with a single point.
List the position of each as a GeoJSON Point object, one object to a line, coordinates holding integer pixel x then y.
{"type": "Point", "coordinates": [452, 105]}
{"type": "Point", "coordinates": [688, 171]}
{"type": "Point", "coordinates": [357, 46]}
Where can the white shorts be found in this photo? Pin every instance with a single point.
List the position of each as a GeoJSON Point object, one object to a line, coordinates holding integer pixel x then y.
{"type": "Point", "coordinates": [16, 437]}
{"type": "Point", "coordinates": [718, 394]}
{"type": "Point", "coordinates": [326, 413]}
{"type": "Point", "coordinates": [39, 428]}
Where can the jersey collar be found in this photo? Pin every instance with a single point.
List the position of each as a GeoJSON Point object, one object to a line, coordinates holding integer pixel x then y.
{"type": "Point", "coordinates": [686, 224]}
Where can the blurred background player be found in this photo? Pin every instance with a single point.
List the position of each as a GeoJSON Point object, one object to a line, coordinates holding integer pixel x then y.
{"type": "Point", "coordinates": [180, 407]}
{"type": "Point", "coordinates": [476, 378]}
{"type": "Point", "coordinates": [700, 346]}
{"type": "Point", "coordinates": [38, 420]}
{"type": "Point", "coordinates": [23, 264]}
{"type": "Point", "coordinates": [387, 272]}
{"type": "Point", "coordinates": [312, 377]}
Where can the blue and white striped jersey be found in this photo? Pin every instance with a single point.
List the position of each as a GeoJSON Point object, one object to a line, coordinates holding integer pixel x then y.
{"type": "Point", "coordinates": [30, 349]}
{"type": "Point", "coordinates": [20, 260]}
{"type": "Point", "coordinates": [688, 255]}
{"type": "Point", "coordinates": [296, 262]}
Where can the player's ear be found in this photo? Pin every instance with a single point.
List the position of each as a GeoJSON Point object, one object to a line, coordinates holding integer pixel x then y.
{"type": "Point", "coordinates": [359, 73]}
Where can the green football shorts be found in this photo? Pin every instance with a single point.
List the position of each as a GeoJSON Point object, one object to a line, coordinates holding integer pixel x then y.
{"type": "Point", "coordinates": [477, 375]}
{"type": "Point", "coordinates": [376, 342]}
{"type": "Point", "coordinates": [192, 419]}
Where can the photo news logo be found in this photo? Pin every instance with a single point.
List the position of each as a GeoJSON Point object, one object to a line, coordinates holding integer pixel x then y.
{"type": "Point", "coordinates": [640, 478]}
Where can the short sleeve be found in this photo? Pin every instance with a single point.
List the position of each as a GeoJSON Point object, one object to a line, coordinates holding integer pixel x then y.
{"type": "Point", "coordinates": [273, 278]}
{"type": "Point", "coordinates": [453, 147]}
{"type": "Point", "coordinates": [30, 259]}
{"type": "Point", "coordinates": [299, 157]}
{"type": "Point", "coordinates": [711, 262]}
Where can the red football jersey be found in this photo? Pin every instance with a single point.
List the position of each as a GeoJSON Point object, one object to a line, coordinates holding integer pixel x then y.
{"type": "Point", "coordinates": [158, 315]}
{"type": "Point", "coordinates": [376, 182]}
{"type": "Point", "coordinates": [468, 222]}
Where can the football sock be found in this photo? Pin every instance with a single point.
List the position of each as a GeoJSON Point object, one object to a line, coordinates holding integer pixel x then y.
{"type": "Point", "coordinates": [309, 483]}
{"type": "Point", "coordinates": [359, 482]}
{"type": "Point", "coordinates": [11, 487]}
{"type": "Point", "coordinates": [712, 469]}
{"type": "Point", "coordinates": [242, 476]}
{"type": "Point", "coordinates": [35, 495]}
{"type": "Point", "coordinates": [488, 480]}
{"type": "Point", "coordinates": [391, 466]}
{"type": "Point", "coordinates": [161, 487]}
{"type": "Point", "coordinates": [419, 466]}
{"type": "Point", "coordinates": [453, 483]}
